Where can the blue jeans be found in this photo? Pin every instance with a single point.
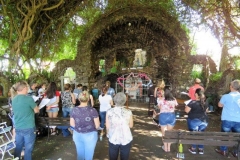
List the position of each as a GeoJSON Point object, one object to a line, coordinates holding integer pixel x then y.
{"type": "Point", "coordinates": [66, 111]}
{"type": "Point", "coordinates": [103, 118]}
{"type": "Point", "coordinates": [196, 125]}
{"type": "Point", "coordinates": [228, 126]}
{"type": "Point", "coordinates": [85, 144]}
{"type": "Point", "coordinates": [114, 151]}
{"type": "Point", "coordinates": [25, 138]}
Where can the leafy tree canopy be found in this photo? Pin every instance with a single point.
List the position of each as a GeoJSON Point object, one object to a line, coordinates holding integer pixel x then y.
{"type": "Point", "coordinates": [33, 31]}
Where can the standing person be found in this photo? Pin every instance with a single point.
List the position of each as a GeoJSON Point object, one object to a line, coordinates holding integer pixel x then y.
{"type": "Point", "coordinates": [68, 102]}
{"type": "Point", "coordinates": [119, 120]}
{"type": "Point", "coordinates": [41, 90]}
{"type": "Point", "coordinates": [159, 91]}
{"type": "Point", "coordinates": [32, 89]}
{"type": "Point", "coordinates": [76, 92]}
{"type": "Point", "coordinates": [110, 90]}
{"type": "Point", "coordinates": [24, 109]}
{"type": "Point", "coordinates": [52, 107]}
{"type": "Point", "coordinates": [106, 102]}
{"type": "Point", "coordinates": [192, 89]}
{"type": "Point", "coordinates": [91, 101]}
{"type": "Point", "coordinates": [197, 118]}
{"type": "Point", "coordinates": [230, 114]}
{"type": "Point", "coordinates": [95, 92]}
{"type": "Point", "coordinates": [167, 118]}
{"type": "Point", "coordinates": [12, 93]}
{"type": "Point", "coordinates": [84, 120]}
{"type": "Point", "coordinates": [151, 103]}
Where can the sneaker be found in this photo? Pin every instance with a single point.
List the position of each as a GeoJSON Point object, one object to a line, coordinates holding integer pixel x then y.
{"type": "Point", "coordinates": [200, 151]}
{"type": "Point", "coordinates": [100, 128]}
{"type": "Point", "coordinates": [223, 153]}
{"type": "Point", "coordinates": [53, 133]}
{"type": "Point", "coordinates": [191, 150]}
{"type": "Point", "coordinates": [70, 130]}
{"type": "Point", "coordinates": [234, 153]}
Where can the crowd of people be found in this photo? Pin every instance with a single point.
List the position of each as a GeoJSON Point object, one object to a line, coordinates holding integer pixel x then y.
{"type": "Point", "coordinates": [113, 116]}
{"type": "Point", "coordinates": [196, 108]}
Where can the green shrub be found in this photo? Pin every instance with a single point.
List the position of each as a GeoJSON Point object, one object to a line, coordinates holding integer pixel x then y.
{"type": "Point", "coordinates": [215, 76]}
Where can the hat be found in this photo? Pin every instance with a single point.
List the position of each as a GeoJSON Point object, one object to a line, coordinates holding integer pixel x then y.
{"type": "Point", "coordinates": [197, 80]}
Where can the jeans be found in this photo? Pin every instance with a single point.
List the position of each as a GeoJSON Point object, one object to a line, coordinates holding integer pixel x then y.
{"type": "Point", "coordinates": [66, 111]}
{"type": "Point", "coordinates": [228, 126]}
{"type": "Point", "coordinates": [103, 118]}
{"type": "Point", "coordinates": [25, 138]}
{"type": "Point", "coordinates": [196, 125]}
{"type": "Point", "coordinates": [65, 130]}
{"type": "Point", "coordinates": [56, 109]}
{"type": "Point", "coordinates": [167, 118]}
{"type": "Point", "coordinates": [114, 151]}
{"type": "Point", "coordinates": [85, 144]}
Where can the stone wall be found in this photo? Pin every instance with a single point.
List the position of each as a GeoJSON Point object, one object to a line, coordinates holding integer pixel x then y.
{"type": "Point", "coordinates": [115, 36]}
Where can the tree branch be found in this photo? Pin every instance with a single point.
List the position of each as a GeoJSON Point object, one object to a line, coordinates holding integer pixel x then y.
{"type": "Point", "coordinates": [50, 8]}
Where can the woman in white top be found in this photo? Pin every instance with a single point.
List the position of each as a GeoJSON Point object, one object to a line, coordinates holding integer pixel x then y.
{"type": "Point", "coordinates": [106, 102]}
{"type": "Point", "coordinates": [52, 107]}
{"type": "Point", "coordinates": [119, 120]}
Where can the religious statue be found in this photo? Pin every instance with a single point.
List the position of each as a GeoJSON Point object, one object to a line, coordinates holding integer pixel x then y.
{"type": "Point", "coordinates": [140, 58]}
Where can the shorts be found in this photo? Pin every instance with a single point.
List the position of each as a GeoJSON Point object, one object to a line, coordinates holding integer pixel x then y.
{"type": "Point", "coordinates": [56, 109]}
{"type": "Point", "coordinates": [167, 118]}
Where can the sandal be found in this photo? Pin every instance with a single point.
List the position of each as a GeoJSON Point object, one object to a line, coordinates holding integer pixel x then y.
{"type": "Point", "coordinates": [53, 133]}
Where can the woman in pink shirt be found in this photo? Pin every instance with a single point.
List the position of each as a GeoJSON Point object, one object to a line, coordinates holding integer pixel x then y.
{"type": "Point", "coordinates": [167, 118]}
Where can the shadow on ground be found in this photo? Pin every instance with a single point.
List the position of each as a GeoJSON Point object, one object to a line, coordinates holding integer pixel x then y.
{"type": "Point", "coordinates": [146, 144]}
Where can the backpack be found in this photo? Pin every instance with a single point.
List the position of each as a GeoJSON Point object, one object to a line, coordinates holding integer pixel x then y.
{"type": "Point", "coordinates": [42, 131]}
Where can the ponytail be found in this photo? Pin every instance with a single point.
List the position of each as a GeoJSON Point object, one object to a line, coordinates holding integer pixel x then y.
{"type": "Point", "coordinates": [201, 96]}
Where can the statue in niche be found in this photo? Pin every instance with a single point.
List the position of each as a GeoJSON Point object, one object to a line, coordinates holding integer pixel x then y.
{"type": "Point", "coordinates": [140, 58]}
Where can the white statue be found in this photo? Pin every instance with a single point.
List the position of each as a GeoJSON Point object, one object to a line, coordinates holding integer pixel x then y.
{"type": "Point", "coordinates": [140, 58]}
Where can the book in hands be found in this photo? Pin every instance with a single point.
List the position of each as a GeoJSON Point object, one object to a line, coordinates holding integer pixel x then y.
{"type": "Point", "coordinates": [187, 102]}
{"type": "Point", "coordinates": [185, 93]}
{"type": "Point", "coordinates": [44, 102]}
{"type": "Point", "coordinates": [35, 98]}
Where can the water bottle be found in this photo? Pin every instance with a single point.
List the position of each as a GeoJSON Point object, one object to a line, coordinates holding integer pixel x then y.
{"type": "Point", "coordinates": [100, 138]}
{"type": "Point", "coordinates": [180, 153]}
{"type": "Point", "coordinates": [180, 148]}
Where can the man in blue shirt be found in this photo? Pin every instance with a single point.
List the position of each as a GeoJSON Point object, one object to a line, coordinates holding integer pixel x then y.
{"type": "Point", "coordinates": [230, 114]}
{"type": "Point", "coordinates": [111, 91]}
{"type": "Point", "coordinates": [76, 92]}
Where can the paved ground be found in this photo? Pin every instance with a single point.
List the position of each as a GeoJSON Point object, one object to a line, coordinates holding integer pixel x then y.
{"type": "Point", "coordinates": [146, 143]}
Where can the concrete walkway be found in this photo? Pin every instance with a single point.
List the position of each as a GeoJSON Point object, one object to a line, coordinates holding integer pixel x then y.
{"type": "Point", "coordinates": [146, 143]}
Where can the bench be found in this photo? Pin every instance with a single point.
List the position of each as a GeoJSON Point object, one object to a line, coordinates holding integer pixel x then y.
{"type": "Point", "coordinates": [205, 138]}
{"type": "Point", "coordinates": [48, 122]}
